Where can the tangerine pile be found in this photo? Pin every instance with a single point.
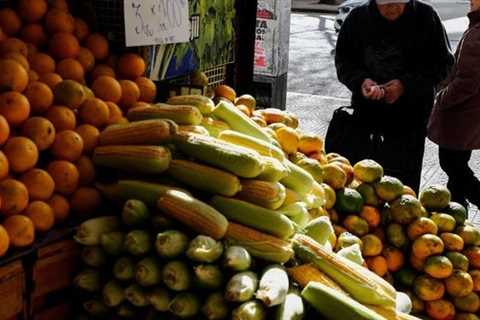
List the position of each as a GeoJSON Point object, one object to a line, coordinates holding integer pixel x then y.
{"type": "Point", "coordinates": [59, 87]}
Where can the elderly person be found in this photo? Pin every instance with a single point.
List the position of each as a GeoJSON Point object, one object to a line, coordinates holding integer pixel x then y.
{"type": "Point", "coordinates": [455, 120]}
{"type": "Point", "coordinates": [391, 54]}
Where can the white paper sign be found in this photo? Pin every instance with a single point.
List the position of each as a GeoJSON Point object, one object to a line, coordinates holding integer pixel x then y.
{"type": "Point", "coordinates": [151, 22]}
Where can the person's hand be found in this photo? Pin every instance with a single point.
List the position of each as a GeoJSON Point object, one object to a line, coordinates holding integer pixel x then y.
{"type": "Point", "coordinates": [371, 90]}
{"type": "Point", "coordinates": [393, 91]}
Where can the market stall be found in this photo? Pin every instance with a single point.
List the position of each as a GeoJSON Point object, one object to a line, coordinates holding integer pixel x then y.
{"type": "Point", "coordinates": [128, 198]}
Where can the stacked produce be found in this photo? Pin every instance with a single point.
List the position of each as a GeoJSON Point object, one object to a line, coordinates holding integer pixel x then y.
{"type": "Point", "coordinates": [50, 120]}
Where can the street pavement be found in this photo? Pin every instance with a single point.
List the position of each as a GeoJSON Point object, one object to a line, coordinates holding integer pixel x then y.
{"type": "Point", "coordinates": [314, 91]}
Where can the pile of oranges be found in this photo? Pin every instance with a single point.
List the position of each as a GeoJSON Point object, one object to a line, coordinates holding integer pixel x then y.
{"type": "Point", "coordinates": [59, 87]}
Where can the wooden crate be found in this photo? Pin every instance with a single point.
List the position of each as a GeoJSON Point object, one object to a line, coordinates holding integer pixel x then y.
{"type": "Point", "coordinates": [12, 290]}
{"type": "Point", "coordinates": [52, 275]}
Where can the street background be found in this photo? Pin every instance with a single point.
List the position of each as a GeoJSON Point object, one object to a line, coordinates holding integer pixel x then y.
{"type": "Point", "coordinates": [314, 91]}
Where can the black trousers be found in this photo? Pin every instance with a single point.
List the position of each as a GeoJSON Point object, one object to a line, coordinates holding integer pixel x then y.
{"type": "Point", "coordinates": [462, 182]}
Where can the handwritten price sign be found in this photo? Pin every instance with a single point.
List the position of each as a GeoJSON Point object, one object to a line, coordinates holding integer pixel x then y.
{"type": "Point", "coordinates": [150, 22]}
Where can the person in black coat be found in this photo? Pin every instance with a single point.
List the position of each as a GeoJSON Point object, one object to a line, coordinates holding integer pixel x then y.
{"type": "Point", "coordinates": [392, 54]}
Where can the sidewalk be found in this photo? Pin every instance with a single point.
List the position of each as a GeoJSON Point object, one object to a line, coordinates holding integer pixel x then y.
{"type": "Point", "coordinates": [313, 5]}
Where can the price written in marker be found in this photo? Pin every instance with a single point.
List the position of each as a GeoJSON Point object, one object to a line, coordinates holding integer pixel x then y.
{"type": "Point", "coordinates": [153, 22]}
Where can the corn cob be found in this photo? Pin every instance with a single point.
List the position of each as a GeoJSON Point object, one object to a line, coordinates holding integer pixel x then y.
{"type": "Point", "coordinates": [305, 273]}
{"type": "Point", "coordinates": [273, 171]}
{"type": "Point", "coordinates": [239, 121]}
{"type": "Point", "coordinates": [204, 104]}
{"type": "Point", "coordinates": [259, 244]}
{"type": "Point", "coordinates": [291, 197]}
{"type": "Point", "coordinates": [214, 127]}
{"type": "Point", "coordinates": [273, 286]}
{"type": "Point", "coordinates": [148, 132]}
{"type": "Point", "coordinates": [262, 219]}
{"type": "Point", "coordinates": [313, 167]}
{"type": "Point", "coordinates": [205, 178]}
{"type": "Point", "coordinates": [142, 159]}
{"type": "Point", "coordinates": [270, 195]}
{"type": "Point", "coordinates": [292, 308]}
{"type": "Point", "coordinates": [298, 179]}
{"type": "Point", "coordinates": [237, 160]}
{"type": "Point", "coordinates": [389, 314]}
{"type": "Point", "coordinates": [360, 283]}
{"type": "Point", "coordinates": [294, 209]}
{"type": "Point", "coordinates": [194, 129]}
{"type": "Point", "coordinates": [124, 190]}
{"type": "Point", "coordinates": [336, 306]}
{"type": "Point", "coordinates": [199, 216]}
{"type": "Point", "coordinates": [186, 115]}
{"type": "Point", "coordinates": [262, 147]}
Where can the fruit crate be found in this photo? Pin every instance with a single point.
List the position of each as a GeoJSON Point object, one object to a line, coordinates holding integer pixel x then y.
{"type": "Point", "coordinates": [12, 291]}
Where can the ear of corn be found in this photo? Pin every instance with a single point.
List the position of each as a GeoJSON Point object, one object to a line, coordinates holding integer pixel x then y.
{"type": "Point", "coordinates": [298, 179]}
{"type": "Point", "coordinates": [125, 190]}
{"type": "Point", "coordinates": [204, 104]}
{"type": "Point", "coordinates": [148, 132]}
{"type": "Point", "coordinates": [360, 283]}
{"type": "Point", "coordinates": [183, 115]}
{"type": "Point", "coordinates": [273, 286]}
{"type": "Point", "coordinates": [205, 178]}
{"type": "Point", "coordinates": [195, 214]}
{"type": "Point", "coordinates": [291, 197]}
{"type": "Point", "coordinates": [142, 159]}
{"type": "Point", "coordinates": [273, 170]}
{"type": "Point", "coordinates": [240, 161]}
{"type": "Point", "coordinates": [251, 215]}
{"type": "Point", "coordinates": [239, 121]}
{"type": "Point", "coordinates": [214, 127]}
{"type": "Point", "coordinates": [270, 195]}
{"type": "Point", "coordinates": [306, 273]}
{"type": "Point", "coordinates": [292, 308]}
{"type": "Point", "coordinates": [262, 147]}
{"type": "Point", "coordinates": [259, 244]}
{"type": "Point", "coordinates": [194, 129]}
{"type": "Point", "coordinates": [388, 314]}
{"type": "Point", "coordinates": [335, 305]}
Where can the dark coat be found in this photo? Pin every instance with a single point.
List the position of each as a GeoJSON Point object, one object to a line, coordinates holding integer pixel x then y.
{"type": "Point", "coordinates": [413, 49]}
{"type": "Point", "coordinates": [455, 120]}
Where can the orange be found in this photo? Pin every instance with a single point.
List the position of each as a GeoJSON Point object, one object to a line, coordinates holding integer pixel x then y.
{"type": "Point", "coordinates": [148, 89]}
{"type": "Point", "coordinates": [90, 135]}
{"type": "Point", "coordinates": [86, 169]}
{"type": "Point", "coordinates": [4, 166]}
{"type": "Point", "coordinates": [98, 45]}
{"type": "Point", "coordinates": [95, 112]}
{"type": "Point", "coordinates": [130, 94]}
{"type": "Point", "coordinates": [22, 154]}
{"type": "Point", "coordinates": [64, 45]}
{"type": "Point", "coordinates": [378, 265]}
{"type": "Point", "coordinates": [81, 29]}
{"type": "Point", "coordinates": [4, 130]}
{"type": "Point", "coordinates": [14, 107]}
{"type": "Point", "coordinates": [3, 36]}
{"type": "Point", "coordinates": [40, 96]}
{"type": "Point", "coordinates": [102, 70]}
{"type": "Point", "coordinates": [21, 231]}
{"type": "Point", "coordinates": [475, 274]}
{"type": "Point", "coordinates": [372, 245]}
{"type": "Point", "coordinates": [68, 146]}
{"type": "Point", "coordinates": [85, 201]}
{"type": "Point", "coordinates": [39, 184]}
{"type": "Point", "coordinates": [51, 79]}
{"type": "Point", "coordinates": [34, 34]}
{"type": "Point", "coordinates": [394, 257]}
{"type": "Point", "coordinates": [440, 309]}
{"type": "Point", "coordinates": [59, 4]}
{"type": "Point", "coordinates": [70, 69]}
{"type": "Point", "coordinates": [13, 45]}
{"type": "Point", "coordinates": [371, 215]}
{"type": "Point", "coordinates": [130, 66]}
{"type": "Point", "coordinates": [62, 118]}
{"type": "Point", "coordinates": [59, 21]}
{"type": "Point", "coordinates": [14, 197]}
{"type": "Point", "coordinates": [60, 206]}
{"type": "Point", "coordinates": [41, 131]}
{"type": "Point", "coordinates": [4, 241]}
{"type": "Point", "coordinates": [428, 288]}
{"type": "Point", "coordinates": [115, 113]}
{"type": "Point", "coordinates": [13, 76]}
{"type": "Point", "coordinates": [10, 22]}
{"type": "Point", "coordinates": [86, 59]}
{"type": "Point", "coordinates": [42, 63]}
{"type": "Point", "coordinates": [473, 255]}
{"type": "Point", "coordinates": [225, 91]}
{"type": "Point", "coordinates": [41, 214]}
{"type": "Point", "coordinates": [33, 76]}
{"type": "Point", "coordinates": [107, 89]}
{"type": "Point", "coordinates": [427, 245]}
{"type": "Point", "coordinates": [20, 58]}
{"type": "Point", "coordinates": [65, 175]}
{"type": "Point", "coordinates": [32, 10]}
{"type": "Point", "coordinates": [459, 284]}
